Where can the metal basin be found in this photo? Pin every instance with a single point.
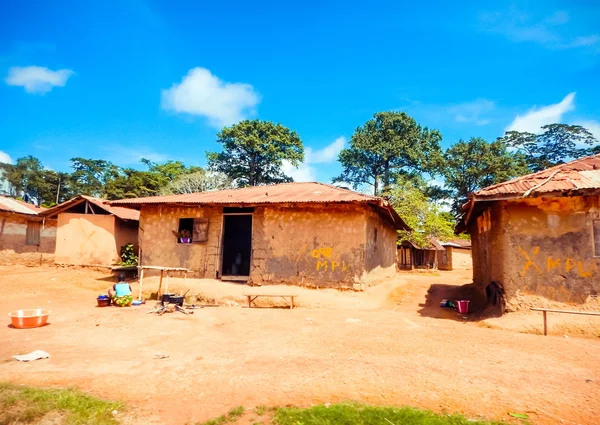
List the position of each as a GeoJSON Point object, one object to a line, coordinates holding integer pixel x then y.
{"type": "Point", "coordinates": [32, 318]}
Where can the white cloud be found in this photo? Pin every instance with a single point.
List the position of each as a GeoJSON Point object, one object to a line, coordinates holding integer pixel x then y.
{"type": "Point", "coordinates": [535, 118]}
{"type": "Point", "coordinates": [471, 112]}
{"type": "Point", "coordinates": [306, 171]}
{"type": "Point", "coordinates": [551, 31]}
{"type": "Point", "coordinates": [592, 126]}
{"type": "Point", "coordinates": [327, 154]}
{"type": "Point", "coordinates": [37, 79]}
{"type": "Point", "coordinates": [5, 158]}
{"type": "Point", "coordinates": [202, 93]}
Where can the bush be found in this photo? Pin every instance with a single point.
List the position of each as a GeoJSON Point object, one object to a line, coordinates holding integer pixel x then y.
{"type": "Point", "coordinates": [128, 257]}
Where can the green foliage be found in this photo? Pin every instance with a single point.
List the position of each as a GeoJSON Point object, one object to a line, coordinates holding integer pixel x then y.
{"type": "Point", "coordinates": [228, 418]}
{"type": "Point", "coordinates": [557, 144]}
{"type": "Point", "coordinates": [360, 414]}
{"type": "Point", "coordinates": [422, 215]}
{"type": "Point", "coordinates": [387, 146]}
{"type": "Point", "coordinates": [128, 255]}
{"type": "Point", "coordinates": [475, 164]}
{"type": "Point", "coordinates": [200, 181]}
{"type": "Point", "coordinates": [24, 405]}
{"type": "Point", "coordinates": [254, 151]}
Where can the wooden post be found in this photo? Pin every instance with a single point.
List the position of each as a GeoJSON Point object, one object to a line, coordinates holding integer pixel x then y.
{"type": "Point", "coordinates": [249, 302]}
{"type": "Point", "coordinates": [292, 303]}
{"type": "Point", "coordinates": [159, 285]}
{"type": "Point", "coordinates": [545, 322]}
{"type": "Point", "coordinates": [167, 284]}
{"type": "Point", "coordinates": [141, 284]}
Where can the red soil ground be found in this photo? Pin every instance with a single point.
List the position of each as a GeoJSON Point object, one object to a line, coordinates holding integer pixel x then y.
{"type": "Point", "coordinates": [398, 348]}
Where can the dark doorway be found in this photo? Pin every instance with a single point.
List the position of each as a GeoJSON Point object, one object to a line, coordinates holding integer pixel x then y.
{"type": "Point", "coordinates": [237, 245]}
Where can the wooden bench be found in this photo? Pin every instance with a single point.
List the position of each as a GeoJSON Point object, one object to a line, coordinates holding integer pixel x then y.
{"type": "Point", "coordinates": [546, 310]}
{"type": "Point", "coordinates": [252, 297]}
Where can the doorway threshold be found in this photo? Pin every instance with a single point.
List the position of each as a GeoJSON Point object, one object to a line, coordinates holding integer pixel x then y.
{"type": "Point", "coordinates": [243, 279]}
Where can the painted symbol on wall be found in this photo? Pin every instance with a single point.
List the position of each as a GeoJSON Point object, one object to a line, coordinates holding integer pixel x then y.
{"type": "Point", "coordinates": [553, 264]}
{"type": "Point", "coordinates": [324, 261]}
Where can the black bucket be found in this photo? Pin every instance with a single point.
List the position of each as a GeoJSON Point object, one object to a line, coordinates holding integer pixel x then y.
{"type": "Point", "coordinates": [166, 298]}
{"type": "Point", "coordinates": [176, 299]}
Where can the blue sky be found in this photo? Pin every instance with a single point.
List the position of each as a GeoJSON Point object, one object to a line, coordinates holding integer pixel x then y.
{"type": "Point", "coordinates": [127, 79]}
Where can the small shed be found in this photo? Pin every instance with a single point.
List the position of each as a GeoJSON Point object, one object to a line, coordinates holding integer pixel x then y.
{"type": "Point", "coordinates": [92, 232]}
{"type": "Point", "coordinates": [456, 255]}
{"type": "Point", "coordinates": [412, 256]}
{"type": "Point", "coordinates": [25, 236]}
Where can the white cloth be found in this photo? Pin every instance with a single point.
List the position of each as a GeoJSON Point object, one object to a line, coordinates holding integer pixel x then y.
{"type": "Point", "coordinates": [34, 355]}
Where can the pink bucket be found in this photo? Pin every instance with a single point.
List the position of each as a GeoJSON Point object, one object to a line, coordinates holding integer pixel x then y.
{"type": "Point", "coordinates": [462, 306]}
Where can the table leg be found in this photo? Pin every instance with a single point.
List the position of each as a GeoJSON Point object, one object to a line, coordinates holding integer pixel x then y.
{"type": "Point", "coordinates": [292, 303]}
{"type": "Point", "coordinates": [141, 285]}
{"type": "Point", "coordinates": [545, 322]}
{"type": "Point", "coordinates": [249, 302]}
{"type": "Point", "coordinates": [167, 284]}
{"type": "Point", "coordinates": [159, 286]}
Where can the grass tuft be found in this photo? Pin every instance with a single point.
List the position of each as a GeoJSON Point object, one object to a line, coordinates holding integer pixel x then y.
{"type": "Point", "coordinates": [19, 404]}
{"type": "Point", "coordinates": [232, 416]}
{"type": "Point", "coordinates": [360, 414]}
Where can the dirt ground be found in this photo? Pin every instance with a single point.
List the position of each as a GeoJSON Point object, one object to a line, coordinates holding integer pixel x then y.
{"type": "Point", "coordinates": [391, 345]}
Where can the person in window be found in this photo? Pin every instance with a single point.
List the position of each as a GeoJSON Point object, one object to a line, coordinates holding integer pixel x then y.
{"type": "Point", "coordinates": [120, 293]}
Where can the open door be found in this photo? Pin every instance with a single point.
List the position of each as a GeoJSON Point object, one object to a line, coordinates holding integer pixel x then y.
{"type": "Point", "coordinates": [237, 247]}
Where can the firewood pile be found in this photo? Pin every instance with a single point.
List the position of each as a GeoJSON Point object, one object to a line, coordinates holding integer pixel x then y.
{"type": "Point", "coordinates": [161, 309]}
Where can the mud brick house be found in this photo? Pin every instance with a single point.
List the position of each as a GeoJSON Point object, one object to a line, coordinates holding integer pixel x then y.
{"type": "Point", "coordinates": [538, 234]}
{"type": "Point", "coordinates": [91, 232]}
{"type": "Point", "coordinates": [412, 256]}
{"type": "Point", "coordinates": [308, 234]}
{"type": "Point", "coordinates": [456, 255]}
{"type": "Point", "coordinates": [25, 236]}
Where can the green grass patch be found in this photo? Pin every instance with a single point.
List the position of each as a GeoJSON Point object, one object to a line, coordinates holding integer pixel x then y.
{"type": "Point", "coordinates": [360, 414]}
{"type": "Point", "coordinates": [232, 416]}
{"type": "Point", "coordinates": [19, 404]}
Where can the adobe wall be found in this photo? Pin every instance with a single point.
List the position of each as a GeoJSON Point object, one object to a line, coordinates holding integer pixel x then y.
{"type": "Point", "coordinates": [13, 237]}
{"type": "Point", "coordinates": [126, 232]}
{"type": "Point", "coordinates": [460, 258]}
{"type": "Point", "coordinates": [159, 244]}
{"type": "Point", "coordinates": [310, 245]}
{"type": "Point", "coordinates": [540, 246]}
{"type": "Point", "coordinates": [85, 239]}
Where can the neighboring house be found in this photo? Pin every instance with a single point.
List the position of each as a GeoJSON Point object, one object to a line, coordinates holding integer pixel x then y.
{"type": "Point", "coordinates": [309, 234]}
{"type": "Point", "coordinates": [456, 255]}
{"type": "Point", "coordinates": [24, 235]}
{"type": "Point", "coordinates": [538, 234]}
{"type": "Point", "coordinates": [91, 232]}
{"type": "Point", "coordinates": [412, 256]}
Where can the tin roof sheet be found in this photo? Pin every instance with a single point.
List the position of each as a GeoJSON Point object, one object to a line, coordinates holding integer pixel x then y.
{"type": "Point", "coordinates": [14, 205]}
{"type": "Point", "coordinates": [121, 212]}
{"type": "Point", "coordinates": [583, 173]}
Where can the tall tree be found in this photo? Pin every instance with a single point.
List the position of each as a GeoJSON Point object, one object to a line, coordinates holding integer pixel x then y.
{"type": "Point", "coordinates": [200, 181]}
{"type": "Point", "coordinates": [408, 196]}
{"type": "Point", "coordinates": [475, 164]}
{"type": "Point", "coordinates": [556, 144]}
{"type": "Point", "coordinates": [387, 146]}
{"type": "Point", "coordinates": [254, 151]}
{"type": "Point", "coordinates": [90, 176]}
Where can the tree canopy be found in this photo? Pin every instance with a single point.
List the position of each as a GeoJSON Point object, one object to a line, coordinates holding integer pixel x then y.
{"type": "Point", "coordinates": [476, 163]}
{"type": "Point", "coordinates": [557, 144]}
{"type": "Point", "coordinates": [254, 151]}
{"type": "Point", "coordinates": [387, 146]}
{"type": "Point", "coordinates": [425, 218]}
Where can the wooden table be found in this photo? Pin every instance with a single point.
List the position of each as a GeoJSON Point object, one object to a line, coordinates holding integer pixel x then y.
{"type": "Point", "coordinates": [252, 297]}
{"type": "Point", "coordinates": [162, 273]}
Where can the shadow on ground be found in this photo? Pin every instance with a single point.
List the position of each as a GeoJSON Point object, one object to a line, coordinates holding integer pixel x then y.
{"type": "Point", "coordinates": [479, 307]}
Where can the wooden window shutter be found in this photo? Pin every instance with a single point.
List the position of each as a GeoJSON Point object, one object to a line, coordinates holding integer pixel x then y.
{"type": "Point", "coordinates": [33, 232]}
{"type": "Point", "coordinates": [596, 225]}
{"type": "Point", "coordinates": [200, 233]}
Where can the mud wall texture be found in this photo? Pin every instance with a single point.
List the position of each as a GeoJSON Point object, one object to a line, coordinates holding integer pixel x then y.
{"type": "Point", "coordinates": [460, 258]}
{"type": "Point", "coordinates": [159, 244]}
{"type": "Point", "coordinates": [13, 239]}
{"type": "Point", "coordinates": [542, 246]}
{"type": "Point", "coordinates": [126, 232]}
{"type": "Point", "coordinates": [85, 239]}
{"type": "Point", "coordinates": [310, 245]}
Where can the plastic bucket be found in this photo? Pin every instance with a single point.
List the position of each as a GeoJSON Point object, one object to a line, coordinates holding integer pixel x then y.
{"type": "Point", "coordinates": [462, 306]}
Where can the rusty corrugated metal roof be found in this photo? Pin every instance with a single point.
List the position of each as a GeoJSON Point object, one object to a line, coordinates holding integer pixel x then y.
{"type": "Point", "coordinates": [292, 193]}
{"type": "Point", "coordinates": [576, 175]}
{"type": "Point", "coordinates": [272, 194]}
{"type": "Point", "coordinates": [16, 206]}
{"type": "Point", "coordinates": [121, 212]}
